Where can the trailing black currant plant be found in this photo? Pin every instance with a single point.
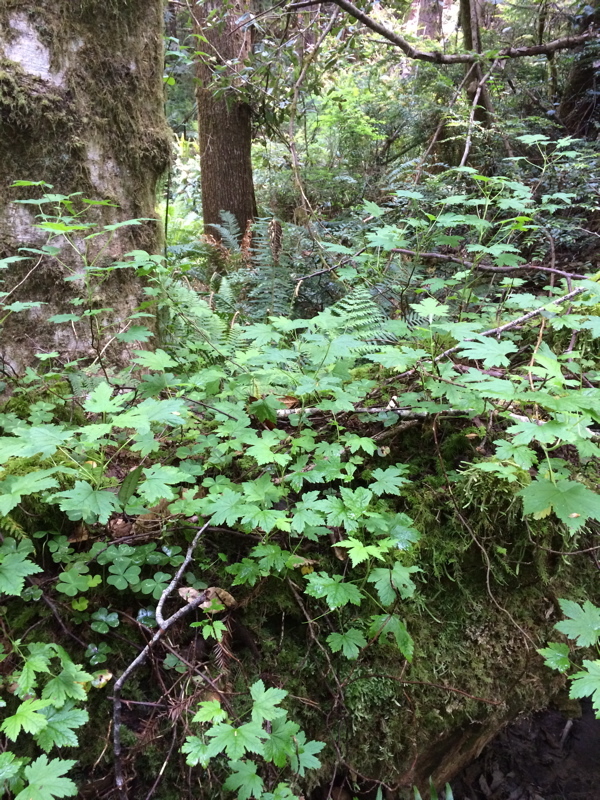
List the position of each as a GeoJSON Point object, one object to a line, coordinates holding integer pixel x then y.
{"type": "Point", "coordinates": [147, 510]}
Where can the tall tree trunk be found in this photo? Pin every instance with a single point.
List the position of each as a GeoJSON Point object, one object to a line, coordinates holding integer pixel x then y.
{"type": "Point", "coordinates": [469, 20]}
{"type": "Point", "coordinates": [579, 110]}
{"type": "Point", "coordinates": [81, 108]}
{"type": "Point", "coordinates": [224, 121]}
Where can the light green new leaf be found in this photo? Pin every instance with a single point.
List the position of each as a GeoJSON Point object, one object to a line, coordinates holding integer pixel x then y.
{"type": "Point", "coordinates": [333, 589]}
{"type": "Point", "coordinates": [226, 508]}
{"type": "Point", "coordinates": [61, 724]}
{"type": "Point", "coordinates": [572, 502]}
{"type": "Point", "coordinates": [264, 518]}
{"type": "Point", "coordinates": [14, 487]}
{"type": "Point", "coordinates": [587, 684]}
{"type": "Point", "coordinates": [196, 751]}
{"type": "Point", "coordinates": [266, 702]}
{"type": "Point", "coordinates": [100, 402]}
{"type": "Point", "coordinates": [14, 568]}
{"type": "Point", "coordinates": [350, 642]}
{"type": "Point", "coordinates": [263, 453]}
{"type": "Point", "coordinates": [556, 656]}
{"type": "Point", "coordinates": [430, 308]}
{"type": "Point", "coordinates": [157, 360]}
{"type": "Point", "coordinates": [45, 781]}
{"type": "Point", "coordinates": [583, 623]}
{"type": "Point", "coordinates": [359, 552]}
{"type": "Point", "coordinates": [27, 717]}
{"type": "Point", "coordinates": [86, 503]}
{"type": "Point", "coordinates": [209, 711]}
{"type": "Point", "coordinates": [354, 443]}
{"type": "Point", "coordinates": [234, 742]}
{"type": "Point", "coordinates": [26, 442]}
{"type": "Point", "coordinates": [165, 412]}
{"type": "Point", "coordinates": [244, 780]}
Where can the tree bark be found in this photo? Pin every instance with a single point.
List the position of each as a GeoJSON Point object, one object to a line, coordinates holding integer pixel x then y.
{"type": "Point", "coordinates": [579, 110]}
{"type": "Point", "coordinates": [469, 20]}
{"type": "Point", "coordinates": [81, 108]}
{"type": "Point", "coordinates": [224, 118]}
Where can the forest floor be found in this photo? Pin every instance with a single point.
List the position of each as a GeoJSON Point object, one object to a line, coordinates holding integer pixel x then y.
{"type": "Point", "coordinates": [547, 756]}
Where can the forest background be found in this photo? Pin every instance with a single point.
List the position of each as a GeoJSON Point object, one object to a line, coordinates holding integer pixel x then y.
{"type": "Point", "coordinates": [300, 474]}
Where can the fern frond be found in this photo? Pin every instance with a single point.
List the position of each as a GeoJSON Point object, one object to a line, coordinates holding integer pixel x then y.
{"type": "Point", "coordinates": [229, 231]}
{"type": "Point", "coordinates": [187, 317]}
{"type": "Point", "coordinates": [12, 528]}
{"type": "Point", "coordinates": [357, 313]}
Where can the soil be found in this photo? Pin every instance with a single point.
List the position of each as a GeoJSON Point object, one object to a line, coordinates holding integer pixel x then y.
{"type": "Point", "coordinates": [548, 756]}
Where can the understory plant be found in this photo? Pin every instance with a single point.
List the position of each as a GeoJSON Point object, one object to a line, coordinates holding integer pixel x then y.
{"type": "Point", "coordinates": [243, 456]}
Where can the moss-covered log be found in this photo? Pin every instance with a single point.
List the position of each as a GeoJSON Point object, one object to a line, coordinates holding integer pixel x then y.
{"type": "Point", "coordinates": [81, 108]}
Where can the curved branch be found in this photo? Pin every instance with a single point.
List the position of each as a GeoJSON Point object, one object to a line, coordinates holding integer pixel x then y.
{"type": "Point", "coordinates": [437, 57]}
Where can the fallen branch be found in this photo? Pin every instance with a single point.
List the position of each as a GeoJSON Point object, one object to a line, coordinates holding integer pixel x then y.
{"type": "Point", "coordinates": [403, 413]}
{"type": "Point", "coordinates": [437, 57]}
{"type": "Point", "coordinates": [487, 267]}
{"type": "Point", "coordinates": [164, 625]}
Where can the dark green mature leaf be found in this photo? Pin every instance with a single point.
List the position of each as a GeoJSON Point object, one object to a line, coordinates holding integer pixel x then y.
{"type": "Point", "coordinates": [336, 592]}
{"type": "Point", "coordinates": [61, 724]}
{"type": "Point", "coordinates": [86, 503]}
{"type": "Point", "coordinates": [234, 742]}
{"type": "Point", "coordinates": [244, 780]}
{"type": "Point", "coordinates": [384, 624]}
{"type": "Point", "coordinates": [280, 745]}
{"type": "Point", "coordinates": [350, 642]}
{"type": "Point", "coordinates": [14, 568]}
{"type": "Point", "coordinates": [572, 502]}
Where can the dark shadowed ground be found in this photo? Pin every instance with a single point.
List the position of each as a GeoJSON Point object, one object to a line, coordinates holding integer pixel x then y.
{"type": "Point", "coordinates": [545, 757]}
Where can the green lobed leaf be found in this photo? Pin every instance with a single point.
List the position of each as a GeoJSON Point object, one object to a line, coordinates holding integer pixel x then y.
{"type": "Point", "coordinates": [583, 624]}
{"type": "Point", "coordinates": [45, 780]}
{"type": "Point", "coordinates": [350, 642]}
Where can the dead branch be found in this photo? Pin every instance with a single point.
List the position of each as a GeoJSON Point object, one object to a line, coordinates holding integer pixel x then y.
{"type": "Point", "coordinates": [164, 625]}
{"type": "Point", "coordinates": [437, 57]}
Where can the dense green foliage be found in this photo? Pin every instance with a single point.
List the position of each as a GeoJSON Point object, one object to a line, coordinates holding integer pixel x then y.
{"type": "Point", "coordinates": [377, 415]}
{"type": "Point", "coordinates": [283, 430]}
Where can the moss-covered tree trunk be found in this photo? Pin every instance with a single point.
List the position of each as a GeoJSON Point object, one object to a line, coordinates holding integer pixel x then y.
{"type": "Point", "coordinates": [224, 120]}
{"type": "Point", "coordinates": [81, 108]}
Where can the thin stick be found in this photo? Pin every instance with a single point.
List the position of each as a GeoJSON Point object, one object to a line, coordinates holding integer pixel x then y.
{"type": "Point", "coordinates": [165, 624]}
{"type": "Point", "coordinates": [188, 557]}
{"type": "Point", "coordinates": [474, 105]}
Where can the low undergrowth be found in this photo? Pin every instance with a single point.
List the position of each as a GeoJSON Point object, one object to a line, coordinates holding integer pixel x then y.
{"type": "Point", "coordinates": [276, 553]}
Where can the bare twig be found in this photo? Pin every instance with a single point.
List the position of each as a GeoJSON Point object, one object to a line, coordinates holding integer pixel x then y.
{"type": "Point", "coordinates": [178, 574]}
{"type": "Point", "coordinates": [488, 267]}
{"type": "Point", "coordinates": [164, 624]}
{"type": "Point", "coordinates": [474, 105]}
